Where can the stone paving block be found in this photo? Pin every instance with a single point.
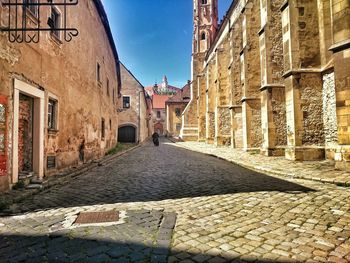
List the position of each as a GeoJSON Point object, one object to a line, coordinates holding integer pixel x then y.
{"type": "Point", "coordinates": [223, 205]}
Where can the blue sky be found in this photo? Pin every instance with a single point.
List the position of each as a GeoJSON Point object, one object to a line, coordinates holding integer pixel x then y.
{"type": "Point", "coordinates": [154, 37]}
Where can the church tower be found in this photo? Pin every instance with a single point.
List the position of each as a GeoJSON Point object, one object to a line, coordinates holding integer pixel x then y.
{"type": "Point", "coordinates": [205, 23]}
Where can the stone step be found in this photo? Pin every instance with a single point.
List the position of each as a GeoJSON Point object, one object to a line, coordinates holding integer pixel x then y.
{"type": "Point", "coordinates": [36, 180]}
{"type": "Point", "coordinates": [189, 137]}
{"type": "Point", "coordinates": [189, 132]}
{"type": "Point", "coordinates": [24, 175]}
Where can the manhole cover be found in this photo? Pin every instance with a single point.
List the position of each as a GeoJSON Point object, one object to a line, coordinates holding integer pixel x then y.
{"type": "Point", "coordinates": [97, 217]}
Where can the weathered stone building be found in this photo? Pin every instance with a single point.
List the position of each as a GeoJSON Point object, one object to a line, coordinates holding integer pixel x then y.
{"type": "Point", "coordinates": [133, 114]}
{"type": "Point", "coordinates": [175, 106]}
{"type": "Point", "coordinates": [274, 77]}
{"type": "Point", "coordinates": [58, 100]}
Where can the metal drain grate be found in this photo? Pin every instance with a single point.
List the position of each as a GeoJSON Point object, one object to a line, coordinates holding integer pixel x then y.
{"type": "Point", "coordinates": [97, 217]}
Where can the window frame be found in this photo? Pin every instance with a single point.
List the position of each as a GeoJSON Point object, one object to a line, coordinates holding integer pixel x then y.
{"type": "Point", "coordinates": [33, 9]}
{"type": "Point", "coordinates": [107, 85]}
{"type": "Point", "coordinates": [98, 73]}
{"type": "Point", "coordinates": [204, 2]}
{"type": "Point", "coordinates": [57, 22]}
{"type": "Point", "coordinates": [127, 96]}
{"type": "Point", "coordinates": [103, 129]}
{"type": "Point", "coordinates": [52, 114]}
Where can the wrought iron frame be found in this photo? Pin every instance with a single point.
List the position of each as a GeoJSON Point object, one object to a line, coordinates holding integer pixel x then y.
{"type": "Point", "coordinates": [21, 33]}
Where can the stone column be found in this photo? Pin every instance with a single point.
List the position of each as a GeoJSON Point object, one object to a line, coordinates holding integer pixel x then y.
{"type": "Point", "coordinates": [250, 77]}
{"type": "Point", "coordinates": [235, 85]}
{"type": "Point", "coordinates": [210, 102]}
{"type": "Point", "coordinates": [273, 112]}
{"type": "Point", "coordinates": [222, 111]}
{"type": "Point", "coordinates": [303, 81]}
{"type": "Point", "coordinates": [341, 57]}
{"type": "Point", "coordinates": [201, 101]}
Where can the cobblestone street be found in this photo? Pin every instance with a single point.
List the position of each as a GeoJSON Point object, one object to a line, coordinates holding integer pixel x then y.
{"type": "Point", "coordinates": [177, 205]}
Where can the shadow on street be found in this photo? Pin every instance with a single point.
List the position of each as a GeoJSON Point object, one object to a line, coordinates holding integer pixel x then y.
{"type": "Point", "coordinates": [151, 173]}
{"type": "Point", "coordinates": [59, 248]}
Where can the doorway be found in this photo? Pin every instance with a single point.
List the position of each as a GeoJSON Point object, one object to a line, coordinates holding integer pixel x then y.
{"type": "Point", "coordinates": [25, 134]}
{"type": "Point", "coordinates": [28, 130]}
{"type": "Point", "coordinates": [127, 134]}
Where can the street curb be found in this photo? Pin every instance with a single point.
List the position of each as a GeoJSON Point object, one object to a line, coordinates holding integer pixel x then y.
{"type": "Point", "coordinates": [61, 178]}
{"type": "Point", "coordinates": [272, 172]}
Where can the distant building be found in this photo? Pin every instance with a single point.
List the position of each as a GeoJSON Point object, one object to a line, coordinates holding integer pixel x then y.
{"type": "Point", "coordinates": [133, 110]}
{"type": "Point", "coordinates": [159, 95]}
{"type": "Point", "coordinates": [163, 89]}
{"type": "Point", "coordinates": [175, 106]}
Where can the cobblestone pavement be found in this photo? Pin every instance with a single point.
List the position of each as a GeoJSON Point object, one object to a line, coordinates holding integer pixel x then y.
{"type": "Point", "coordinates": [223, 213]}
{"type": "Point", "coordinates": [323, 171]}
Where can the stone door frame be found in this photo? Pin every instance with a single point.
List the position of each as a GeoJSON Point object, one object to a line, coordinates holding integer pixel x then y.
{"type": "Point", "coordinates": [38, 128]}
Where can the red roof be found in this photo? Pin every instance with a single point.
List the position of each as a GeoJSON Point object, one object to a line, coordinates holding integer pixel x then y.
{"type": "Point", "coordinates": [159, 101]}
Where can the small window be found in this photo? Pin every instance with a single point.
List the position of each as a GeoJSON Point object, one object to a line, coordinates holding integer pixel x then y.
{"type": "Point", "coordinates": [203, 36]}
{"type": "Point", "coordinates": [98, 72]}
{"type": "Point", "coordinates": [158, 114]}
{"type": "Point", "coordinates": [51, 114]}
{"type": "Point", "coordinates": [110, 124]}
{"type": "Point", "coordinates": [178, 112]}
{"type": "Point", "coordinates": [126, 102]}
{"type": "Point", "coordinates": [103, 129]}
{"type": "Point", "coordinates": [107, 87]}
{"type": "Point", "coordinates": [54, 22]}
{"type": "Point", "coordinates": [32, 7]}
{"type": "Point", "coordinates": [204, 2]}
{"type": "Point", "coordinates": [113, 96]}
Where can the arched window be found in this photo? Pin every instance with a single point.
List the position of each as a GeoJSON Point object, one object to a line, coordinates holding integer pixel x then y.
{"type": "Point", "coordinates": [204, 2]}
{"type": "Point", "coordinates": [203, 36]}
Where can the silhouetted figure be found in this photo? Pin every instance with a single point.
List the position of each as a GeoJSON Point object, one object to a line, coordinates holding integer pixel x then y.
{"type": "Point", "coordinates": [155, 137]}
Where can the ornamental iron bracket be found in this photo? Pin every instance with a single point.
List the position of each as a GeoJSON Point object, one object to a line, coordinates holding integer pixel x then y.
{"type": "Point", "coordinates": [22, 12]}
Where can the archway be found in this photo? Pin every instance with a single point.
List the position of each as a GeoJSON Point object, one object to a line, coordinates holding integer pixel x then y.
{"type": "Point", "coordinates": [127, 134]}
{"type": "Point", "coordinates": [158, 127]}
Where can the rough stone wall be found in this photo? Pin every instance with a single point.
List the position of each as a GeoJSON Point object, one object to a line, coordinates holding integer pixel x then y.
{"type": "Point", "coordinates": [224, 119]}
{"type": "Point", "coordinates": [329, 110]}
{"type": "Point", "coordinates": [63, 70]}
{"type": "Point", "coordinates": [308, 31]}
{"type": "Point", "coordinates": [236, 47]}
{"type": "Point", "coordinates": [312, 111]}
{"type": "Point", "coordinates": [279, 116]}
{"type": "Point", "coordinates": [275, 68]}
{"type": "Point", "coordinates": [255, 124]}
{"type": "Point", "coordinates": [251, 51]}
{"type": "Point", "coordinates": [211, 125]}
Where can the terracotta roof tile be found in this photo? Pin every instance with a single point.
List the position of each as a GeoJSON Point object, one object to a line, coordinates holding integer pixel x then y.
{"type": "Point", "coordinates": [159, 101]}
